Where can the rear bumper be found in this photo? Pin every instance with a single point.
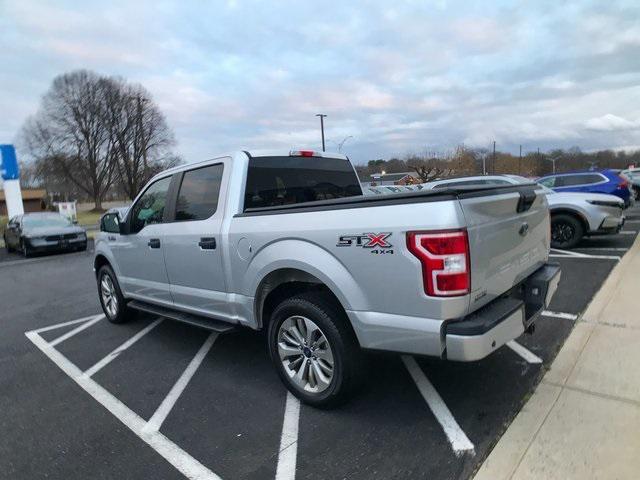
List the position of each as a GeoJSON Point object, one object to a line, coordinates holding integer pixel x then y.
{"type": "Point", "coordinates": [469, 338]}
{"type": "Point", "coordinates": [484, 331]}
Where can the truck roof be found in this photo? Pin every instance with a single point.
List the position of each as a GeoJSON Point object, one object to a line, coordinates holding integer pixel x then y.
{"type": "Point", "coordinates": [258, 153]}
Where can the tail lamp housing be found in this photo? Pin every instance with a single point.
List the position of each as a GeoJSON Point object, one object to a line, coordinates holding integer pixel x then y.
{"type": "Point", "coordinates": [444, 255]}
{"type": "Point", "coordinates": [622, 182]}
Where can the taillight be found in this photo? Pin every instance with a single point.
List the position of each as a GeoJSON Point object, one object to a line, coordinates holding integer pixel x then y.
{"type": "Point", "coordinates": [444, 256]}
{"type": "Point", "coordinates": [304, 153]}
{"type": "Point", "coordinates": [624, 183]}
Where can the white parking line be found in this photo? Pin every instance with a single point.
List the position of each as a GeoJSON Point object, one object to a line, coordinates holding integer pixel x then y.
{"type": "Point", "coordinates": [64, 324]}
{"type": "Point", "coordinates": [523, 352]}
{"type": "Point", "coordinates": [286, 469]}
{"type": "Point", "coordinates": [457, 438]}
{"type": "Point", "coordinates": [76, 330]}
{"type": "Point", "coordinates": [114, 354]}
{"type": "Point", "coordinates": [602, 257]}
{"type": "Point", "coordinates": [172, 453]}
{"type": "Point", "coordinates": [566, 316]}
{"type": "Point", "coordinates": [570, 253]}
{"type": "Point", "coordinates": [155, 422]}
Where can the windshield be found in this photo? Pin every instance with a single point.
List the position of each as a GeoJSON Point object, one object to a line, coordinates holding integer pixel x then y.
{"type": "Point", "coordinates": [546, 190]}
{"type": "Point", "coordinates": [38, 221]}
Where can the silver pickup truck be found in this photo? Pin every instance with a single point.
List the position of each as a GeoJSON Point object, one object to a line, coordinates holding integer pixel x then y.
{"type": "Point", "coordinates": [287, 242]}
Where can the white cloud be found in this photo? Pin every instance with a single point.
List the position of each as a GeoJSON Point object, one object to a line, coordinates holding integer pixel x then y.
{"type": "Point", "coordinates": [611, 123]}
{"type": "Point", "coordinates": [397, 77]}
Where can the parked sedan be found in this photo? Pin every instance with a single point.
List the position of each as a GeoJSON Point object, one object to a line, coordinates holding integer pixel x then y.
{"type": "Point", "coordinates": [573, 214]}
{"type": "Point", "coordinates": [606, 181]}
{"type": "Point", "coordinates": [43, 232]}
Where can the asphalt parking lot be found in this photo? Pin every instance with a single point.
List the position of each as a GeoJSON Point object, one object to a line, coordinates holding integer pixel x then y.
{"type": "Point", "coordinates": [82, 398]}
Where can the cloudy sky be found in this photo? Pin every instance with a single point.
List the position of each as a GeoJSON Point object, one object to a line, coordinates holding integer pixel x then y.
{"type": "Point", "coordinates": [399, 77]}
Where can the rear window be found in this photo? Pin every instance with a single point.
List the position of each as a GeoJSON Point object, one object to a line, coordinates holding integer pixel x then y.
{"type": "Point", "coordinates": [274, 181]}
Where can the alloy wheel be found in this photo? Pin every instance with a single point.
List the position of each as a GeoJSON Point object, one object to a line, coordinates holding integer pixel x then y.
{"type": "Point", "coordinates": [305, 354]}
{"type": "Point", "coordinates": [562, 232]}
{"type": "Point", "coordinates": [109, 297]}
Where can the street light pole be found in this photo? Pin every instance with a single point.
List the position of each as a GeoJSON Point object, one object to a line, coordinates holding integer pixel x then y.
{"type": "Point", "coordinates": [321, 115]}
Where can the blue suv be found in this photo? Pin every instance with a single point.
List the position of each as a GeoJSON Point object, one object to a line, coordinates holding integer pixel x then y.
{"type": "Point", "coordinates": [595, 181]}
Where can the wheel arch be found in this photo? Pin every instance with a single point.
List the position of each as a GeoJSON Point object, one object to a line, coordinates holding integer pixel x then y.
{"type": "Point", "coordinates": [573, 213]}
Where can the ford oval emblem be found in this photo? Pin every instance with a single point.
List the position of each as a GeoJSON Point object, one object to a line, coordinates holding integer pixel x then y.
{"type": "Point", "coordinates": [524, 229]}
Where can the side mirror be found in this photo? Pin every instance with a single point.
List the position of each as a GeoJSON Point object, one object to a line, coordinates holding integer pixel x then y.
{"type": "Point", "coordinates": [122, 227]}
{"type": "Point", "coordinates": [110, 223]}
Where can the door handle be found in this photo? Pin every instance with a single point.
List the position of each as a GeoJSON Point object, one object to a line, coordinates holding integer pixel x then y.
{"type": "Point", "coordinates": [207, 243]}
{"type": "Point", "coordinates": [154, 243]}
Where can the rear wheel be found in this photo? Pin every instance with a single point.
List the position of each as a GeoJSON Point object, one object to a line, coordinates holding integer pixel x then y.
{"type": "Point", "coordinates": [313, 349]}
{"type": "Point", "coordinates": [111, 299]}
{"type": "Point", "coordinates": [566, 231]}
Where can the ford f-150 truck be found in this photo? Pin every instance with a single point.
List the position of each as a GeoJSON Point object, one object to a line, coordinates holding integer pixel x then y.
{"type": "Point", "coordinates": [287, 243]}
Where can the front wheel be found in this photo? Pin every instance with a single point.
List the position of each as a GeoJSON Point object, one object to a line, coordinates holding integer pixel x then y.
{"type": "Point", "coordinates": [24, 249]}
{"type": "Point", "coordinates": [111, 299]}
{"type": "Point", "coordinates": [566, 231]}
{"type": "Point", "coordinates": [314, 350]}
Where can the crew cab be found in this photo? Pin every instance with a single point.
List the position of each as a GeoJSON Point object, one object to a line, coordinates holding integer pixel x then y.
{"type": "Point", "coordinates": [286, 242]}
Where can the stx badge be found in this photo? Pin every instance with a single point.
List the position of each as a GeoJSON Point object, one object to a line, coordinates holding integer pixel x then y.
{"type": "Point", "coordinates": [376, 242]}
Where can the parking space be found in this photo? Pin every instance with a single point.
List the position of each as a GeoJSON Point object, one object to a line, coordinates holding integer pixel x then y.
{"type": "Point", "coordinates": [186, 402]}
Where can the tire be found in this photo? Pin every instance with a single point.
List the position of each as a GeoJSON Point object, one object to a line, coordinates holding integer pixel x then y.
{"type": "Point", "coordinates": [566, 231]}
{"type": "Point", "coordinates": [339, 345]}
{"type": "Point", "coordinates": [6, 245]}
{"type": "Point", "coordinates": [26, 253]}
{"type": "Point", "coordinates": [117, 312]}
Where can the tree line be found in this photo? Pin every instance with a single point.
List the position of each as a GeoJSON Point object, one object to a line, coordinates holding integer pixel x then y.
{"type": "Point", "coordinates": [95, 135]}
{"type": "Point", "coordinates": [475, 161]}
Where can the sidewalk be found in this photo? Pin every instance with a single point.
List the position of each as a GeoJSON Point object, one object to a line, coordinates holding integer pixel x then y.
{"type": "Point", "coordinates": [583, 421]}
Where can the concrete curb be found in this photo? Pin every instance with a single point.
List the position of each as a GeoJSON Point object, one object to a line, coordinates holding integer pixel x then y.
{"type": "Point", "coordinates": [509, 452]}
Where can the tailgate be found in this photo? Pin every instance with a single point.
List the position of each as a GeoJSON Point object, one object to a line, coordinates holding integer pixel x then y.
{"type": "Point", "coordinates": [508, 238]}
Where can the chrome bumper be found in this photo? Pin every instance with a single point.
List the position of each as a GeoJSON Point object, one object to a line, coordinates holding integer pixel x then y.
{"type": "Point", "coordinates": [503, 320]}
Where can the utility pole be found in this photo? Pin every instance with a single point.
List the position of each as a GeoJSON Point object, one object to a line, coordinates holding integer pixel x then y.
{"type": "Point", "coordinates": [321, 115]}
{"type": "Point", "coordinates": [520, 160]}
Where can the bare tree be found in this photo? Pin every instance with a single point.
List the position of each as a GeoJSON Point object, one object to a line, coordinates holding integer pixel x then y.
{"type": "Point", "coordinates": [92, 130]}
{"type": "Point", "coordinates": [68, 130]}
{"type": "Point", "coordinates": [139, 133]}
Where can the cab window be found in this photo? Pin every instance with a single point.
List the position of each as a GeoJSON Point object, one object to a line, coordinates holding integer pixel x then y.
{"type": "Point", "coordinates": [149, 208]}
{"type": "Point", "coordinates": [199, 192]}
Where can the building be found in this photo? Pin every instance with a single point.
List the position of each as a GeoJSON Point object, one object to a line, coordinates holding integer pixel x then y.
{"type": "Point", "coordinates": [33, 200]}
{"type": "Point", "coordinates": [403, 178]}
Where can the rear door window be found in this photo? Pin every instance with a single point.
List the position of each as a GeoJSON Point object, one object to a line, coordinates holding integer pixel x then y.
{"type": "Point", "coordinates": [580, 179]}
{"type": "Point", "coordinates": [275, 181]}
{"type": "Point", "coordinates": [199, 193]}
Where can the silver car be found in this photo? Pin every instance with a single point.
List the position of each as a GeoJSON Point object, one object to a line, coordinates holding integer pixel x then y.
{"type": "Point", "coordinates": [573, 214]}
